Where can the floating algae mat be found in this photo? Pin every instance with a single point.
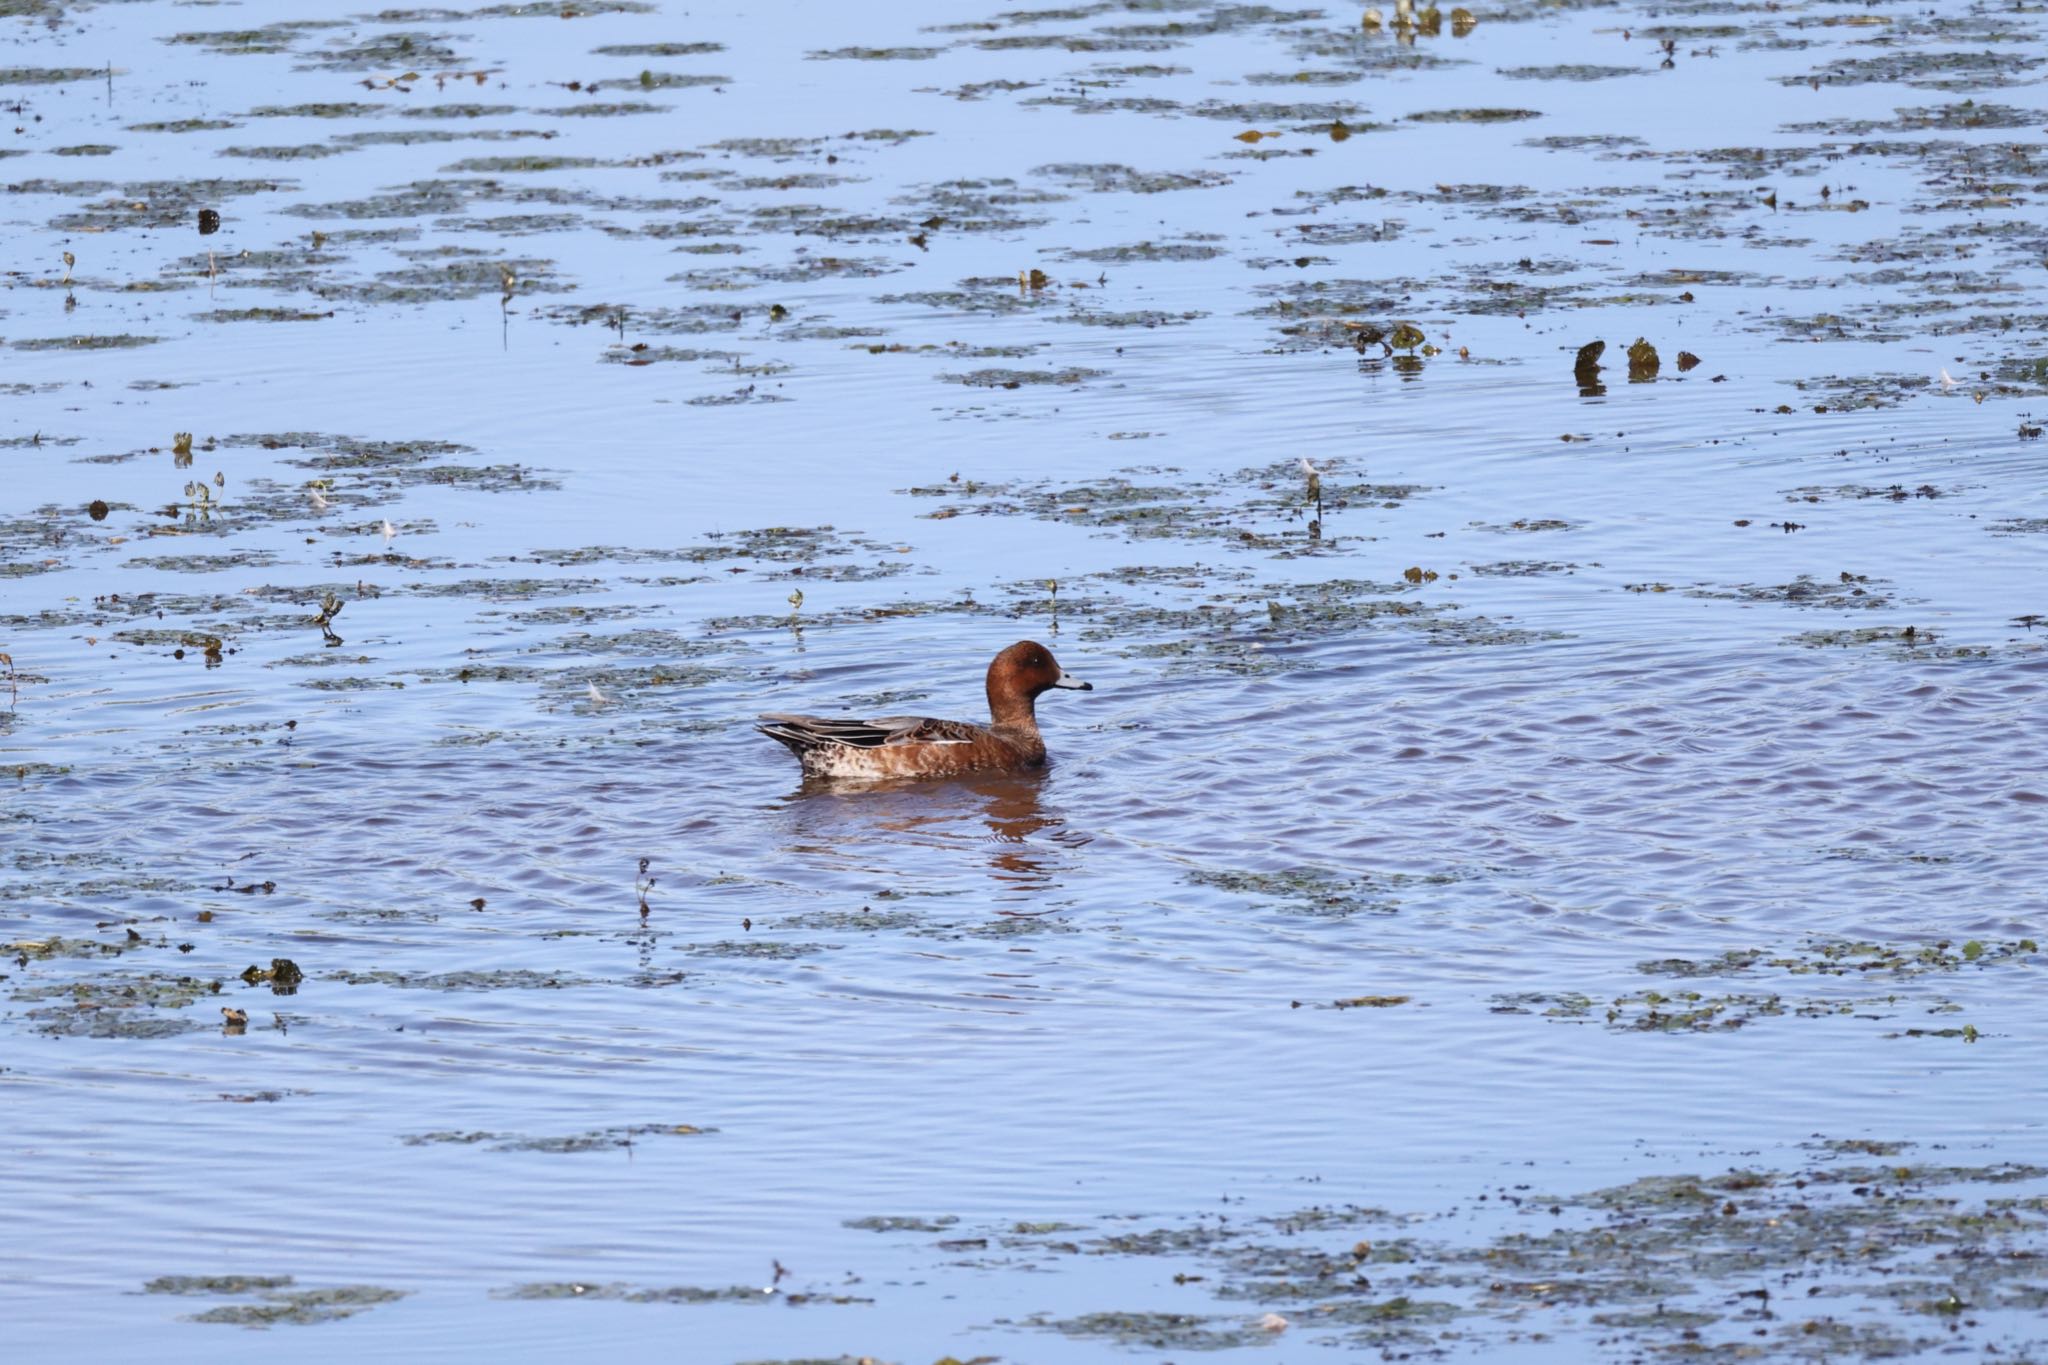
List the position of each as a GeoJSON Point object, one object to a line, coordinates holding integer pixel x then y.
{"type": "Point", "coordinates": [1548, 500]}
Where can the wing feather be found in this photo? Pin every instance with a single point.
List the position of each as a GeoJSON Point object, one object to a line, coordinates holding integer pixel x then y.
{"type": "Point", "coordinates": [813, 732]}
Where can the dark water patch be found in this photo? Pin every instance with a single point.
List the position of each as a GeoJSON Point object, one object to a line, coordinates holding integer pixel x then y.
{"type": "Point", "coordinates": [1907, 644]}
{"type": "Point", "coordinates": [1923, 69]}
{"type": "Point", "coordinates": [52, 75]}
{"type": "Point", "coordinates": [1141, 71]}
{"type": "Point", "coordinates": [1071, 42]}
{"type": "Point", "coordinates": [1315, 315]}
{"type": "Point", "coordinates": [1111, 178]}
{"type": "Point", "coordinates": [1304, 77]}
{"type": "Point", "coordinates": [1145, 252]}
{"type": "Point", "coordinates": [1570, 71]}
{"type": "Point", "coordinates": [1579, 142]}
{"type": "Point", "coordinates": [597, 1140]}
{"type": "Point", "coordinates": [1964, 114]}
{"type": "Point", "coordinates": [500, 165]}
{"type": "Point", "coordinates": [686, 320]}
{"type": "Point", "coordinates": [1523, 568]}
{"type": "Point", "coordinates": [616, 109]}
{"type": "Point", "coordinates": [876, 54]}
{"type": "Point", "coordinates": [1267, 508]}
{"type": "Point", "coordinates": [132, 1006]}
{"type": "Point", "coordinates": [1071, 377]}
{"type": "Point", "coordinates": [152, 204]}
{"type": "Point", "coordinates": [270, 40]}
{"type": "Point", "coordinates": [1691, 1011]}
{"type": "Point", "coordinates": [1487, 115]}
{"type": "Point", "coordinates": [901, 1223]}
{"type": "Point", "coordinates": [1845, 589]}
{"type": "Point", "coordinates": [1215, 20]}
{"type": "Point", "coordinates": [687, 1294]}
{"type": "Point", "coordinates": [460, 111]}
{"type": "Point", "coordinates": [1856, 958]}
{"type": "Point", "coordinates": [340, 109]}
{"type": "Point", "coordinates": [550, 9]}
{"type": "Point", "coordinates": [763, 950]}
{"type": "Point", "coordinates": [642, 353]}
{"type": "Point", "coordinates": [657, 49]}
{"type": "Point", "coordinates": [518, 224]}
{"type": "Point", "coordinates": [220, 1285]}
{"type": "Point", "coordinates": [301, 1307]}
{"type": "Point", "coordinates": [119, 341]}
{"type": "Point", "coordinates": [1667, 1263]}
{"type": "Point", "coordinates": [784, 183]}
{"type": "Point", "coordinates": [978, 206]}
{"type": "Point", "coordinates": [1863, 493]}
{"type": "Point", "coordinates": [184, 125]}
{"type": "Point", "coordinates": [385, 52]}
{"type": "Point", "coordinates": [1314, 892]}
{"type": "Point", "coordinates": [1140, 317]}
{"type": "Point", "coordinates": [1157, 1331]}
{"type": "Point", "coordinates": [981, 90]}
{"type": "Point", "coordinates": [417, 137]}
{"type": "Point", "coordinates": [808, 269]}
{"type": "Point", "coordinates": [262, 315]}
{"type": "Point", "coordinates": [513, 979]}
{"type": "Point", "coordinates": [864, 920]}
{"type": "Point", "coordinates": [1524, 525]}
{"type": "Point", "coordinates": [244, 559]}
{"type": "Point", "coordinates": [661, 80]}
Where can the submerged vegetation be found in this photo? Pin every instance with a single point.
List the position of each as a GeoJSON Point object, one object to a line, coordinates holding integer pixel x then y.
{"type": "Point", "coordinates": [1547, 497]}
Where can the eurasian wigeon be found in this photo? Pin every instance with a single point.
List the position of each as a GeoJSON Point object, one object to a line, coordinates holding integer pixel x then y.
{"type": "Point", "coordinates": [917, 746]}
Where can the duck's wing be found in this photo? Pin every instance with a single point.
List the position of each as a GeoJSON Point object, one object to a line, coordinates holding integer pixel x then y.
{"type": "Point", "coordinates": [812, 732]}
{"type": "Point", "coordinates": [925, 730]}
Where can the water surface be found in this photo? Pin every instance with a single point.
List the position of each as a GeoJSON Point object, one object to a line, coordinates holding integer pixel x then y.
{"type": "Point", "coordinates": [1575, 873]}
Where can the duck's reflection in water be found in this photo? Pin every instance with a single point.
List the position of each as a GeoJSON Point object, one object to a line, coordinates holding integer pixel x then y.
{"type": "Point", "coordinates": [1020, 836]}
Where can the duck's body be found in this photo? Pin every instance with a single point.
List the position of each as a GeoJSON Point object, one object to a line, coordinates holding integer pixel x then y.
{"type": "Point", "coordinates": [919, 746]}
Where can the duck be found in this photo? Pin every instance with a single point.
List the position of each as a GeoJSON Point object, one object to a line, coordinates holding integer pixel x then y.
{"type": "Point", "coordinates": [919, 746]}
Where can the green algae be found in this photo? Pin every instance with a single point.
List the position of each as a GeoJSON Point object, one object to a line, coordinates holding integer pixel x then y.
{"type": "Point", "coordinates": [1663, 1264]}
{"type": "Point", "coordinates": [662, 80]}
{"type": "Point", "coordinates": [118, 341]}
{"type": "Point", "coordinates": [597, 1140]}
{"type": "Point", "coordinates": [876, 54]}
{"type": "Point", "coordinates": [657, 49]}
{"type": "Point", "coordinates": [1138, 252]}
{"type": "Point", "coordinates": [682, 1294]}
{"type": "Point", "coordinates": [184, 125]}
{"type": "Point", "coordinates": [301, 1307]}
{"type": "Point", "coordinates": [511, 979]}
{"type": "Point", "coordinates": [761, 950]}
{"type": "Point", "coordinates": [52, 75]}
{"type": "Point", "coordinates": [1314, 892]}
{"type": "Point", "coordinates": [117, 1006]}
{"type": "Point", "coordinates": [1115, 178]}
{"type": "Point", "coordinates": [215, 1284]}
{"type": "Point", "coordinates": [1473, 116]}
{"type": "Point", "coordinates": [1070, 377]}
{"type": "Point", "coordinates": [900, 1223]}
{"type": "Point", "coordinates": [614, 109]}
{"type": "Point", "coordinates": [1571, 71]}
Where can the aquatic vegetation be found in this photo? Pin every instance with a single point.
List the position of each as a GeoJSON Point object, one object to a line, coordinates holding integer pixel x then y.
{"type": "Point", "coordinates": [1463, 790]}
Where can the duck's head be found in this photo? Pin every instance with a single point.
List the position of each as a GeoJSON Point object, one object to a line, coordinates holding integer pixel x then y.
{"type": "Point", "coordinates": [1023, 671]}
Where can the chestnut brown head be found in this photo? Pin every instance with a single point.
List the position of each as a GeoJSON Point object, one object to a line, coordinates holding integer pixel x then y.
{"type": "Point", "coordinates": [1020, 673]}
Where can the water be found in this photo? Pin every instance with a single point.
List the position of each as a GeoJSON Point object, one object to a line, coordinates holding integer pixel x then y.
{"type": "Point", "coordinates": [1621, 781]}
